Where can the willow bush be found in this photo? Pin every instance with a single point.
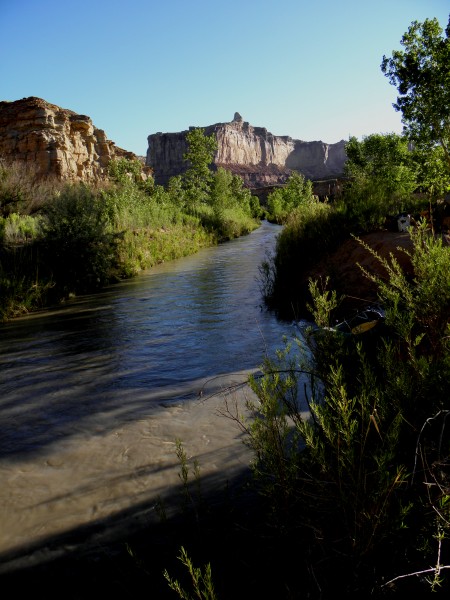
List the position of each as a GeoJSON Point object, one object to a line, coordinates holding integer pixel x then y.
{"type": "Point", "coordinates": [282, 202]}
{"type": "Point", "coordinates": [361, 484]}
{"type": "Point", "coordinates": [79, 241]}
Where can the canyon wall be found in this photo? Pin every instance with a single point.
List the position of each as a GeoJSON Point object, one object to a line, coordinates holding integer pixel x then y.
{"type": "Point", "coordinates": [55, 141]}
{"type": "Point", "coordinates": [259, 157]}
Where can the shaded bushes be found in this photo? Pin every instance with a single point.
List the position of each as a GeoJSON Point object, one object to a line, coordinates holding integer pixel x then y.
{"type": "Point", "coordinates": [309, 233]}
{"type": "Point", "coordinates": [383, 175]}
{"type": "Point", "coordinates": [361, 485]}
{"type": "Point", "coordinates": [79, 242]}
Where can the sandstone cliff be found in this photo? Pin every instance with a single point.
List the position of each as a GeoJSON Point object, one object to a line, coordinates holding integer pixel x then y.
{"type": "Point", "coordinates": [259, 157]}
{"type": "Point", "coordinates": [55, 141]}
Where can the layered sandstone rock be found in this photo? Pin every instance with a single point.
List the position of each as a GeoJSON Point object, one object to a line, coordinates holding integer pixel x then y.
{"type": "Point", "coordinates": [259, 157]}
{"type": "Point", "coordinates": [55, 141]}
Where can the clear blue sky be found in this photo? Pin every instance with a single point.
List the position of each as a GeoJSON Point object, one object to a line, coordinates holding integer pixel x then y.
{"type": "Point", "coordinates": [309, 69]}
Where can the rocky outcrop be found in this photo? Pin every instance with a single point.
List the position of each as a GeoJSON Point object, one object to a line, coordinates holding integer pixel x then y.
{"type": "Point", "coordinates": [55, 141]}
{"type": "Point", "coordinates": [259, 157]}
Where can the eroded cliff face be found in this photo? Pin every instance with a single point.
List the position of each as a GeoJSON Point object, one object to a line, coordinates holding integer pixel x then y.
{"type": "Point", "coordinates": [57, 142]}
{"type": "Point", "coordinates": [260, 158]}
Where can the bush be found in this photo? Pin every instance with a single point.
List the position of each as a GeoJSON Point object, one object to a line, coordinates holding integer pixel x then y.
{"type": "Point", "coordinates": [361, 482]}
{"type": "Point", "coordinates": [19, 229]}
{"type": "Point", "coordinates": [310, 232]}
{"type": "Point", "coordinates": [79, 242]}
{"type": "Point", "coordinates": [282, 202]}
{"type": "Point", "coordinates": [22, 191]}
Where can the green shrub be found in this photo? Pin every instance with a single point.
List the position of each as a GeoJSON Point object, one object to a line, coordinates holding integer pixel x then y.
{"type": "Point", "coordinates": [297, 192]}
{"type": "Point", "coordinates": [79, 242]}
{"type": "Point", "coordinates": [19, 229]}
{"type": "Point", "coordinates": [202, 583]}
{"type": "Point", "coordinates": [363, 480]}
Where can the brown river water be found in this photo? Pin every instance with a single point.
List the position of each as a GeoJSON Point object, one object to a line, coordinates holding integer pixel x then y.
{"type": "Point", "coordinates": [95, 394]}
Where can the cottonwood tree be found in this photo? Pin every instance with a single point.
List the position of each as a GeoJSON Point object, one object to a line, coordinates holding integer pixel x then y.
{"type": "Point", "coordinates": [384, 160]}
{"type": "Point", "coordinates": [421, 73]}
{"type": "Point", "coordinates": [198, 177]}
{"type": "Point", "coordinates": [382, 178]}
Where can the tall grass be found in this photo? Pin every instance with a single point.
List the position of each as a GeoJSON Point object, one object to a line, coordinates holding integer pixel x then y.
{"type": "Point", "coordinates": [62, 239]}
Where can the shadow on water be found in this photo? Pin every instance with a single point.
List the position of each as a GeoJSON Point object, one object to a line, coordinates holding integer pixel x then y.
{"type": "Point", "coordinates": [71, 385]}
{"type": "Point", "coordinates": [83, 383]}
{"type": "Point", "coordinates": [125, 352]}
{"type": "Point", "coordinates": [119, 555]}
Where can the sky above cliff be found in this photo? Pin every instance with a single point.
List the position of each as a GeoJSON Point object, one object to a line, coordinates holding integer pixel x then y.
{"type": "Point", "coordinates": [308, 70]}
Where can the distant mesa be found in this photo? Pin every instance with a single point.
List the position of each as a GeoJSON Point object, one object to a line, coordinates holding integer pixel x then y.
{"type": "Point", "coordinates": [262, 159]}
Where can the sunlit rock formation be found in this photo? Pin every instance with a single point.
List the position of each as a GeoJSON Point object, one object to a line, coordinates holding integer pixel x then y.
{"type": "Point", "coordinates": [261, 158]}
{"type": "Point", "coordinates": [55, 141]}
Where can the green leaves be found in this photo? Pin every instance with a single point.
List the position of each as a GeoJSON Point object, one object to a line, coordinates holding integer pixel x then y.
{"type": "Point", "coordinates": [295, 194]}
{"type": "Point", "coordinates": [199, 155]}
{"type": "Point", "coordinates": [79, 239]}
{"type": "Point", "coordinates": [202, 582]}
{"type": "Point", "coordinates": [421, 73]}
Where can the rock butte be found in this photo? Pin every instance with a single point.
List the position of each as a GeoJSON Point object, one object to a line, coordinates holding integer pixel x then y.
{"type": "Point", "coordinates": [262, 159]}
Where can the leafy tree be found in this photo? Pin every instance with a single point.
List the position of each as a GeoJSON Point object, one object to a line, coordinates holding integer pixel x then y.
{"type": "Point", "coordinates": [297, 192]}
{"type": "Point", "coordinates": [176, 191]}
{"type": "Point", "coordinates": [221, 191]}
{"type": "Point", "coordinates": [433, 175]}
{"type": "Point", "coordinates": [382, 156]}
{"type": "Point", "coordinates": [198, 177]}
{"type": "Point", "coordinates": [421, 73]}
{"type": "Point", "coordinates": [382, 176]}
{"type": "Point", "coordinates": [249, 203]}
{"type": "Point", "coordinates": [228, 192]}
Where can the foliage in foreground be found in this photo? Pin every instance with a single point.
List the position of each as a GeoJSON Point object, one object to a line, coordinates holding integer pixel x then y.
{"type": "Point", "coordinates": [351, 451]}
{"type": "Point", "coordinates": [362, 476]}
{"type": "Point", "coordinates": [202, 583]}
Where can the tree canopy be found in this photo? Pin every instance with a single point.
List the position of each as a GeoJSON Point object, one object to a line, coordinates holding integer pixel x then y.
{"type": "Point", "coordinates": [199, 156]}
{"type": "Point", "coordinates": [421, 73]}
{"type": "Point", "coordinates": [385, 160]}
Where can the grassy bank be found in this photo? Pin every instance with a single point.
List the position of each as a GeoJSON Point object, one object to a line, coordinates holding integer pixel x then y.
{"type": "Point", "coordinates": [60, 239]}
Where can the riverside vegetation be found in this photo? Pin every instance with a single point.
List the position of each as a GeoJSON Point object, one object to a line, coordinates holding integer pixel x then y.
{"type": "Point", "coordinates": [353, 499]}
{"type": "Point", "coordinates": [356, 496]}
{"type": "Point", "coordinates": [62, 239]}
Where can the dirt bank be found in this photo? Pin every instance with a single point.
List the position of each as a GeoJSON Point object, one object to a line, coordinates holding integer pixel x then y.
{"type": "Point", "coordinates": [346, 276]}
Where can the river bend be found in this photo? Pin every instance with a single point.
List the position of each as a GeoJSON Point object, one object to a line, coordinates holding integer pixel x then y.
{"type": "Point", "coordinates": [94, 394]}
